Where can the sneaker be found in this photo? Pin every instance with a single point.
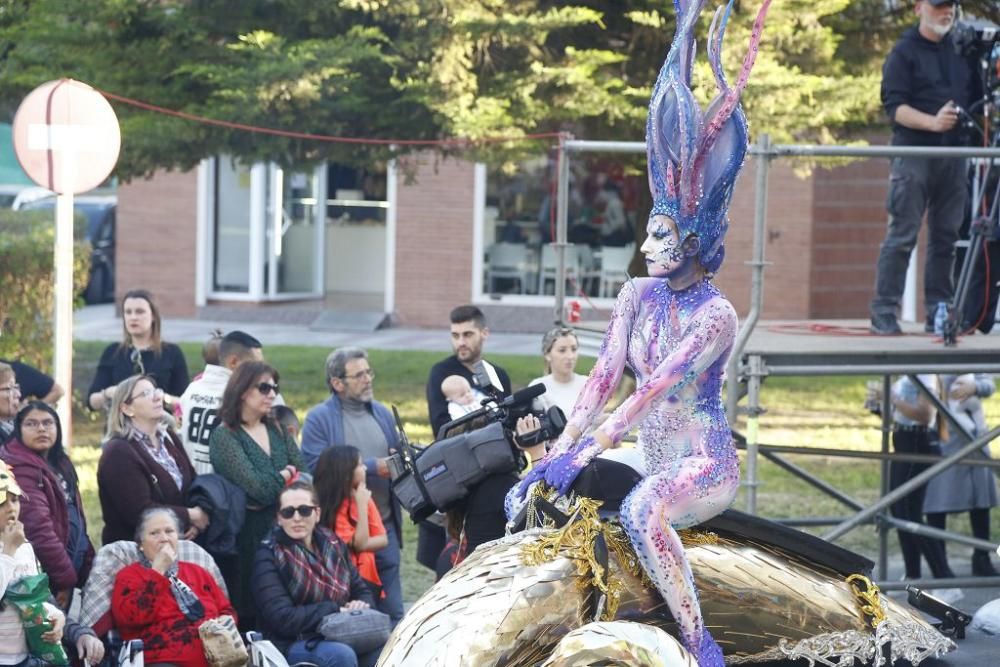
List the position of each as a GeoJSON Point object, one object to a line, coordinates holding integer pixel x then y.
{"type": "Point", "coordinates": [885, 324]}
{"type": "Point", "coordinates": [948, 595]}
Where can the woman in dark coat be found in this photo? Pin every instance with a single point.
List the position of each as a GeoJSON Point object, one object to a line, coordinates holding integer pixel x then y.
{"type": "Point", "coordinates": [53, 516]}
{"type": "Point", "coordinates": [301, 574]}
{"type": "Point", "coordinates": [143, 464]}
{"type": "Point", "coordinates": [141, 352]}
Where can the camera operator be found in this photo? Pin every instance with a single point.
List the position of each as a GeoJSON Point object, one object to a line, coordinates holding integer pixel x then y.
{"type": "Point", "coordinates": [926, 86]}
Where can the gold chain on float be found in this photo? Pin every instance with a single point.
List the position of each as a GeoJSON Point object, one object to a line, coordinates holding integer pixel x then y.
{"type": "Point", "coordinates": [869, 601]}
{"type": "Point", "coordinates": [576, 540]}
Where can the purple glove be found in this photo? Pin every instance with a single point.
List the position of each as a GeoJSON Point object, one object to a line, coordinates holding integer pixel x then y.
{"type": "Point", "coordinates": [565, 468]}
{"type": "Point", "coordinates": [536, 474]}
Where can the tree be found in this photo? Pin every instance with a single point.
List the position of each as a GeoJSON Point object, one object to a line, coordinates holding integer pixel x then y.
{"type": "Point", "coordinates": [419, 69]}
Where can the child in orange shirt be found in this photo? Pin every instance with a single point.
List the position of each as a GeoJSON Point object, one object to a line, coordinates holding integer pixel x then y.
{"type": "Point", "coordinates": [347, 508]}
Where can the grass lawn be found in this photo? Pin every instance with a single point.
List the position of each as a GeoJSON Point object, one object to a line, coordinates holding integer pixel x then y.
{"type": "Point", "coordinates": [809, 412]}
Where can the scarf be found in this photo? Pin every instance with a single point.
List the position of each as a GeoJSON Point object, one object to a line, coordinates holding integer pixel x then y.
{"type": "Point", "coordinates": [312, 576]}
{"type": "Point", "coordinates": [186, 600]}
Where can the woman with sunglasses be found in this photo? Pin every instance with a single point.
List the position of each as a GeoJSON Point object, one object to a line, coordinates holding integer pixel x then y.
{"type": "Point", "coordinates": [141, 352]}
{"type": "Point", "coordinates": [255, 454]}
{"type": "Point", "coordinates": [53, 519]}
{"type": "Point", "coordinates": [143, 464]}
{"type": "Point", "coordinates": [301, 574]}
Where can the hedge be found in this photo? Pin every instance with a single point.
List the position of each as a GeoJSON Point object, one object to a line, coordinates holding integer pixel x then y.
{"type": "Point", "coordinates": [27, 282]}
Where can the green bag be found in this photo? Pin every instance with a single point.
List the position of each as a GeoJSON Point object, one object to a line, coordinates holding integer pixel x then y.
{"type": "Point", "coordinates": [28, 595]}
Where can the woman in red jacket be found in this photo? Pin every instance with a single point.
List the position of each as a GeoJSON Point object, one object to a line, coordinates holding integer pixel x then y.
{"type": "Point", "coordinates": [53, 515]}
{"type": "Point", "coordinates": [162, 600]}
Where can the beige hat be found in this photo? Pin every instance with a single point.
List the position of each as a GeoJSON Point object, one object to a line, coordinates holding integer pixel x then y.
{"type": "Point", "coordinates": [8, 484]}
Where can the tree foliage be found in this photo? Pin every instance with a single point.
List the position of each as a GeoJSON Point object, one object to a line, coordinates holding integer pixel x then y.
{"type": "Point", "coordinates": [425, 69]}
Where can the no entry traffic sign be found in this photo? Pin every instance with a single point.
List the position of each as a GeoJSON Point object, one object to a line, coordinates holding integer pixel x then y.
{"type": "Point", "coordinates": [66, 136]}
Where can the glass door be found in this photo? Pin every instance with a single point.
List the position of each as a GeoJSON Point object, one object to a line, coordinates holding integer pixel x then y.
{"type": "Point", "coordinates": [295, 224]}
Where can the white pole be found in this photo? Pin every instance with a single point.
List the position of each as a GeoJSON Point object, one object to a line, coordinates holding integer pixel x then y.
{"type": "Point", "coordinates": [909, 305]}
{"type": "Point", "coordinates": [63, 313]}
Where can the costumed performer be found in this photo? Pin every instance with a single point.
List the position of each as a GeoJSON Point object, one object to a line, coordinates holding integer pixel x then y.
{"type": "Point", "coordinates": [675, 330]}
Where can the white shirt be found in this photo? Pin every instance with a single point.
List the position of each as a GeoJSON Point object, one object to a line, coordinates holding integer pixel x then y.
{"type": "Point", "coordinates": [200, 404]}
{"type": "Point", "coordinates": [562, 394]}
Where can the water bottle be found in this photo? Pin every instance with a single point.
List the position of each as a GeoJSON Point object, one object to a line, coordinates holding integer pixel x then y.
{"type": "Point", "coordinates": [940, 317]}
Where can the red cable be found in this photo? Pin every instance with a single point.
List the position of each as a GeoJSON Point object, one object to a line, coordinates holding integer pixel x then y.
{"type": "Point", "coordinates": [322, 137]}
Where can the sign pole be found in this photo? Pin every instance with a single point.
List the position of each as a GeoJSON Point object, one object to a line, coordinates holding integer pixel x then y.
{"type": "Point", "coordinates": [63, 314]}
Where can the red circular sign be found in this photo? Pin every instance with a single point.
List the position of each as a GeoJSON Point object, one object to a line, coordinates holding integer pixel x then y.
{"type": "Point", "coordinates": [66, 136]}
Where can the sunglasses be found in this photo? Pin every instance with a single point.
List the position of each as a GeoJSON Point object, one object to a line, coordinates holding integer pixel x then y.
{"type": "Point", "coordinates": [305, 511]}
{"type": "Point", "coordinates": [266, 388]}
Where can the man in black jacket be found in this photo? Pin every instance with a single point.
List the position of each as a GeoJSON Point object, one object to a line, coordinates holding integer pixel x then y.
{"type": "Point", "coordinates": [926, 87]}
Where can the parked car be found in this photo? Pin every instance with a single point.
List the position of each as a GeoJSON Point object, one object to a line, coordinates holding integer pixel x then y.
{"type": "Point", "coordinates": [100, 211]}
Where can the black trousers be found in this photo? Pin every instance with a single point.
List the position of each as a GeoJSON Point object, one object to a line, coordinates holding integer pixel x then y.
{"type": "Point", "coordinates": [910, 507]}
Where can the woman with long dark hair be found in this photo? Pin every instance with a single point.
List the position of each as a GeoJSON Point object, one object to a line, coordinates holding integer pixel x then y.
{"type": "Point", "coordinates": [53, 518]}
{"type": "Point", "coordinates": [255, 454]}
{"type": "Point", "coordinates": [347, 508]}
{"type": "Point", "coordinates": [141, 352]}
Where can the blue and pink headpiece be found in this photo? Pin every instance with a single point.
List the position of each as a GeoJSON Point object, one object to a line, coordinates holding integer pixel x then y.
{"type": "Point", "coordinates": [695, 155]}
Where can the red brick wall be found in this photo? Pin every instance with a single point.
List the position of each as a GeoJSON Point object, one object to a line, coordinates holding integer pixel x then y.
{"type": "Point", "coordinates": [434, 218]}
{"type": "Point", "coordinates": [788, 237]}
{"type": "Point", "coordinates": [155, 244]}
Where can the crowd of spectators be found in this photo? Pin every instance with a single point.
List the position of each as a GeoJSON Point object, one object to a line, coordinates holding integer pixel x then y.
{"type": "Point", "coordinates": [212, 509]}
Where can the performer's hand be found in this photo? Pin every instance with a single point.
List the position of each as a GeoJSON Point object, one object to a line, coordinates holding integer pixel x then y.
{"type": "Point", "coordinates": [563, 471]}
{"type": "Point", "coordinates": [536, 474]}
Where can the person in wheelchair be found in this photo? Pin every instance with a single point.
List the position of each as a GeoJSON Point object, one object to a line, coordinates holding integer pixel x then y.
{"type": "Point", "coordinates": [17, 559]}
{"type": "Point", "coordinates": [163, 600]}
{"type": "Point", "coordinates": [301, 574]}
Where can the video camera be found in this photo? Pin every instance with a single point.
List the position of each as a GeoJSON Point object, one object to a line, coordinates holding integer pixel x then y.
{"type": "Point", "coordinates": [974, 38]}
{"type": "Point", "coordinates": [468, 449]}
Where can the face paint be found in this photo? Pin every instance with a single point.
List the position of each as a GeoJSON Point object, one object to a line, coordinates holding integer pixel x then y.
{"type": "Point", "coordinates": [663, 248]}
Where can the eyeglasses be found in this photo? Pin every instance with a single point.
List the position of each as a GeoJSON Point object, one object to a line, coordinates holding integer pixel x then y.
{"type": "Point", "coordinates": [305, 511]}
{"type": "Point", "coordinates": [13, 387]}
{"type": "Point", "coordinates": [266, 388]}
{"type": "Point", "coordinates": [146, 393]}
{"type": "Point", "coordinates": [34, 424]}
{"type": "Point", "coordinates": [361, 375]}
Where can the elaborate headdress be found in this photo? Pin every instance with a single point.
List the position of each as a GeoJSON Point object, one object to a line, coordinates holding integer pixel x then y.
{"type": "Point", "coordinates": [695, 156]}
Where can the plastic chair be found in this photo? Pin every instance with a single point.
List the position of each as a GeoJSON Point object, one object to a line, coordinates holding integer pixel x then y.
{"type": "Point", "coordinates": [614, 264]}
{"type": "Point", "coordinates": [547, 271]}
{"type": "Point", "coordinates": [510, 261]}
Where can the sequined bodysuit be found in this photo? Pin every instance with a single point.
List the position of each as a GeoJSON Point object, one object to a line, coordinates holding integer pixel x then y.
{"type": "Point", "coordinates": [677, 343]}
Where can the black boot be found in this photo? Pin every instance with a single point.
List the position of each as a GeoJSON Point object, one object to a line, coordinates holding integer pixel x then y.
{"type": "Point", "coordinates": [981, 565]}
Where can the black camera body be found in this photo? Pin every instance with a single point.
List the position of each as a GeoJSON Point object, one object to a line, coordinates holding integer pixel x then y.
{"type": "Point", "coordinates": [975, 38]}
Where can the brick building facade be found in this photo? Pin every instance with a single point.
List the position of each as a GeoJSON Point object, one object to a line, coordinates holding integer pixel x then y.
{"type": "Point", "coordinates": [822, 239]}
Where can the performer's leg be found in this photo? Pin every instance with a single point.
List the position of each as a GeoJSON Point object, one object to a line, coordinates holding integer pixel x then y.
{"type": "Point", "coordinates": [692, 491]}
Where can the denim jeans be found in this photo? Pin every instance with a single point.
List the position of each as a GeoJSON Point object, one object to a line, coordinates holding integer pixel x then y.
{"type": "Point", "coordinates": [939, 187]}
{"type": "Point", "coordinates": [329, 654]}
{"type": "Point", "coordinates": [387, 561]}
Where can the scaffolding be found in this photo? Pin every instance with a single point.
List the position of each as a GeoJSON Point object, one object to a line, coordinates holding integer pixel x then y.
{"type": "Point", "coordinates": [758, 354]}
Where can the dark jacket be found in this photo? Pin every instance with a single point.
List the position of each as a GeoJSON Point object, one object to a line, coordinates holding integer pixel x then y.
{"type": "Point", "coordinates": [168, 368]}
{"type": "Point", "coordinates": [129, 480]}
{"type": "Point", "coordinates": [324, 427]}
{"type": "Point", "coordinates": [45, 514]}
{"type": "Point", "coordinates": [924, 75]}
{"type": "Point", "coordinates": [278, 617]}
{"type": "Point", "coordinates": [226, 504]}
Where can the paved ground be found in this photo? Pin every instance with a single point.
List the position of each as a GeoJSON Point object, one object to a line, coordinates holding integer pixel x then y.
{"type": "Point", "coordinates": [100, 323]}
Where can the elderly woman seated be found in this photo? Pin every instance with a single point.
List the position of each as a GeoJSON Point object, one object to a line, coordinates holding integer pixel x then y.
{"type": "Point", "coordinates": [302, 573]}
{"type": "Point", "coordinates": [162, 600]}
{"type": "Point", "coordinates": [17, 560]}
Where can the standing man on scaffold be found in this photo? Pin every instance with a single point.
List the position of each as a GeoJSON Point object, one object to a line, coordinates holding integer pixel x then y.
{"type": "Point", "coordinates": [926, 86]}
